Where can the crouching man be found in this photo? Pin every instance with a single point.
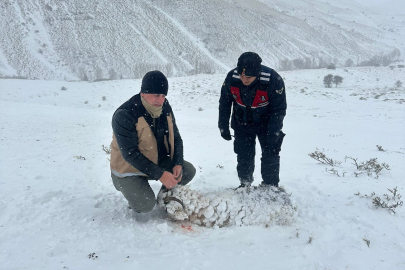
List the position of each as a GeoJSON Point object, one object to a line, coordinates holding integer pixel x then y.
{"type": "Point", "coordinates": [147, 145]}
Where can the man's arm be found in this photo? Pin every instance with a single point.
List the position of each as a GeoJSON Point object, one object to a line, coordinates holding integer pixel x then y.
{"type": "Point", "coordinates": [167, 179]}
{"type": "Point", "coordinates": [278, 106]}
{"type": "Point", "coordinates": [225, 104]}
{"type": "Point", "coordinates": [127, 138]}
{"type": "Point", "coordinates": [178, 156]}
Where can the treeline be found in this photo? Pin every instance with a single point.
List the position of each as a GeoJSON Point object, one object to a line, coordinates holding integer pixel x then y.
{"type": "Point", "coordinates": [96, 73]}
{"type": "Point", "coordinates": [320, 62]}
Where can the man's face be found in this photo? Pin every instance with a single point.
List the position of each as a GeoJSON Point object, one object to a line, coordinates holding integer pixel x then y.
{"type": "Point", "coordinates": [247, 80]}
{"type": "Point", "coordinates": [156, 100]}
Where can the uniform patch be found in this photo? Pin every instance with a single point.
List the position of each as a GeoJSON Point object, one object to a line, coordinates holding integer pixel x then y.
{"type": "Point", "coordinates": [234, 96]}
{"type": "Point", "coordinates": [280, 91]}
{"type": "Point", "coordinates": [263, 98]}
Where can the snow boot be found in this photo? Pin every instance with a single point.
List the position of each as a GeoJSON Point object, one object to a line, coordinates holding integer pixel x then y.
{"type": "Point", "coordinates": [244, 185]}
{"type": "Point", "coordinates": [245, 182]}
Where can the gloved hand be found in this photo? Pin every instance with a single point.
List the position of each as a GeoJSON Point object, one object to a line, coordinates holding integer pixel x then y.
{"type": "Point", "coordinates": [275, 141]}
{"type": "Point", "coordinates": [226, 134]}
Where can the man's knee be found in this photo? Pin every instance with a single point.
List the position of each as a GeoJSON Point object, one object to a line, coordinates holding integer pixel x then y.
{"type": "Point", "coordinates": [137, 192]}
{"type": "Point", "coordinates": [189, 172]}
{"type": "Point", "coordinates": [141, 201]}
{"type": "Point", "coordinates": [143, 206]}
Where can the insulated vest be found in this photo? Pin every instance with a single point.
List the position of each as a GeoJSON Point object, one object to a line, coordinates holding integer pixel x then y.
{"type": "Point", "coordinates": [257, 112]}
{"type": "Point", "coordinates": [147, 145]}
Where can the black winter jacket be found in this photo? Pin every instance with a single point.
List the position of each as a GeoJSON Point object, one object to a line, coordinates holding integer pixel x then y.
{"type": "Point", "coordinates": [269, 114]}
{"type": "Point", "coordinates": [124, 126]}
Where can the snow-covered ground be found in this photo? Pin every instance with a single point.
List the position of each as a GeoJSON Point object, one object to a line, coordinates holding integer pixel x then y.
{"type": "Point", "coordinates": [59, 209]}
{"type": "Point", "coordinates": [72, 39]}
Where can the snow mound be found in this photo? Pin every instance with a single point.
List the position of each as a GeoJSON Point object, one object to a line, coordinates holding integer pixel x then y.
{"type": "Point", "coordinates": [266, 206]}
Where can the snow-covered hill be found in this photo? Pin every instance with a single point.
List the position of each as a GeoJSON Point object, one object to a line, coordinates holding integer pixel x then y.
{"type": "Point", "coordinates": [73, 39]}
{"type": "Point", "coordinates": [59, 208]}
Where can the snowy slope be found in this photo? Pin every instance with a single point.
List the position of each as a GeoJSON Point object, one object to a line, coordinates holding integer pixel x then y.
{"type": "Point", "coordinates": [70, 40]}
{"type": "Point", "coordinates": [57, 208]}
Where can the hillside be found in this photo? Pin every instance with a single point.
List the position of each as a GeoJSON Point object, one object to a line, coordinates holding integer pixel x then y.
{"type": "Point", "coordinates": [53, 39]}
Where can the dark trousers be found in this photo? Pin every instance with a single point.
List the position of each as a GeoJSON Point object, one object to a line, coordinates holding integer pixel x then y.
{"type": "Point", "coordinates": [245, 148]}
{"type": "Point", "coordinates": [138, 192]}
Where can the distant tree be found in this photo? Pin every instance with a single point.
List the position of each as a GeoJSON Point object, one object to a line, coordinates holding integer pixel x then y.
{"type": "Point", "coordinates": [337, 80]}
{"type": "Point", "coordinates": [205, 68]}
{"type": "Point", "coordinates": [285, 64]}
{"type": "Point", "coordinates": [322, 63]}
{"type": "Point", "coordinates": [349, 63]}
{"type": "Point", "coordinates": [331, 66]}
{"type": "Point", "coordinates": [169, 69]}
{"type": "Point", "coordinates": [48, 7]}
{"type": "Point", "coordinates": [398, 84]}
{"type": "Point", "coordinates": [298, 63]}
{"type": "Point", "coordinates": [327, 80]}
{"type": "Point", "coordinates": [82, 74]}
{"type": "Point", "coordinates": [196, 66]}
{"type": "Point", "coordinates": [112, 74]}
{"type": "Point", "coordinates": [99, 74]}
{"type": "Point", "coordinates": [308, 63]}
{"type": "Point", "coordinates": [395, 54]}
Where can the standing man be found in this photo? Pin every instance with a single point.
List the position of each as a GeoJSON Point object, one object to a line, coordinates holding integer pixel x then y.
{"type": "Point", "coordinates": [147, 145]}
{"type": "Point", "coordinates": [256, 95]}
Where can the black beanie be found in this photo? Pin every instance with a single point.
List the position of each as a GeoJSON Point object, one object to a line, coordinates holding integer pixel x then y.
{"type": "Point", "coordinates": [249, 64]}
{"type": "Point", "coordinates": [154, 82]}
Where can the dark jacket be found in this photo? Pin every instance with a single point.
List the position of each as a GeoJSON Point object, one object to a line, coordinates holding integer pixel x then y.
{"type": "Point", "coordinates": [141, 142]}
{"type": "Point", "coordinates": [263, 103]}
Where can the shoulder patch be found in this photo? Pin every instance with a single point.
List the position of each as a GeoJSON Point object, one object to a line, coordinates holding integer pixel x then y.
{"type": "Point", "coordinates": [280, 91]}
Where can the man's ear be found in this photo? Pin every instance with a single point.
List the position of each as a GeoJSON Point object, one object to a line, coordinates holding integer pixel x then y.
{"type": "Point", "coordinates": [141, 94]}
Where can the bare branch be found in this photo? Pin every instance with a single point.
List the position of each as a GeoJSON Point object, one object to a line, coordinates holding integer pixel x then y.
{"type": "Point", "coordinates": [321, 157]}
{"type": "Point", "coordinates": [391, 202]}
{"type": "Point", "coordinates": [106, 149]}
{"type": "Point", "coordinates": [367, 241]}
{"type": "Point", "coordinates": [379, 147]}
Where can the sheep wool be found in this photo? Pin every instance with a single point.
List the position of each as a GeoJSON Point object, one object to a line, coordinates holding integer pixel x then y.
{"type": "Point", "coordinates": [267, 206]}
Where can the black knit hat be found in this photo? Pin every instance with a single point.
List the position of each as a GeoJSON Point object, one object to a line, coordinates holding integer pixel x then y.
{"type": "Point", "coordinates": [154, 82]}
{"type": "Point", "coordinates": [249, 64]}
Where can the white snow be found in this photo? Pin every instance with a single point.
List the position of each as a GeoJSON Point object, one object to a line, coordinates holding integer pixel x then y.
{"type": "Point", "coordinates": [70, 40]}
{"type": "Point", "coordinates": [58, 205]}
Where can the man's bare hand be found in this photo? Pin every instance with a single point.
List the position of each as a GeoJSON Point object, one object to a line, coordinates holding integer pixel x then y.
{"type": "Point", "coordinates": [177, 172]}
{"type": "Point", "coordinates": [168, 180]}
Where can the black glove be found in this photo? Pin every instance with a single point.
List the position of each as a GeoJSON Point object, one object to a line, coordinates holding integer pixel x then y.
{"type": "Point", "coordinates": [275, 141]}
{"type": "Point", "coordinates": [226, 134]}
